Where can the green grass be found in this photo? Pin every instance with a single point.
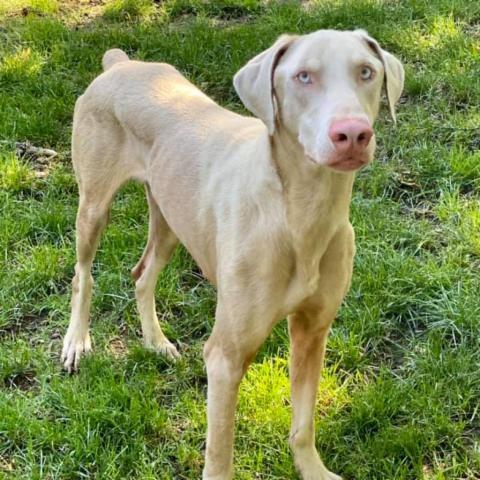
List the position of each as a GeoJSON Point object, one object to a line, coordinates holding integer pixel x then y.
{"type": "Point", "coordinates": [401, 391]}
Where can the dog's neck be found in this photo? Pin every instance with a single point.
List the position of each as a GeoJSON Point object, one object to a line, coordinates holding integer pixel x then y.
{"type": "Point", "coordinates": [309, 187]}
{"type": "Point", "coordinates": [317, 198]}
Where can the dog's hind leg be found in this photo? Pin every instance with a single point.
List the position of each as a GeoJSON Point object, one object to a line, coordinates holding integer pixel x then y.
{"type": "Point", "coordinates": [161, 243]}
{"type": "Point", "coordinates": [92, 217]}
{"type": "Point", "coordinates": [102, 165]}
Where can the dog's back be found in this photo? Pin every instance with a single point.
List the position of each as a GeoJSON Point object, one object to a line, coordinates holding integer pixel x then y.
{"type": "Point", "coordinates": [150, 99]}
{"type": "Point", "coordinates": [134, 107]}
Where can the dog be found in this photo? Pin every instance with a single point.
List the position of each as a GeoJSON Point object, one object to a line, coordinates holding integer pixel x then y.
{"type": "Point", "coordinates": [261, 204]}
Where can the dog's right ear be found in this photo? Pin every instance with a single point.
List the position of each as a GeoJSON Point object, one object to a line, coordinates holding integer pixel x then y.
{"type": "Point", "coordinates": [254, 82]}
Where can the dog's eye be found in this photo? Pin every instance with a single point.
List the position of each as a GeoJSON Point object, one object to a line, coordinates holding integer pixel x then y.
{"type": "Point", "coordinates": [304, 77]}
{"type": "Point", "coordinates": [366, 73]}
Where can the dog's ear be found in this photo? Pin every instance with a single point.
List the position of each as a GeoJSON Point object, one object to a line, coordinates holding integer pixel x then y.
{"type": "Point", "coordinates": [394, 73]}
{"type": "Point", "coordinates": [254, 82]}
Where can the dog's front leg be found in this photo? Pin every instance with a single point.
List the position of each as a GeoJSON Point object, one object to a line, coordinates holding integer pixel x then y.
{"type": "Point", "coordinates": [228, 353]}
{"type": "Point", "coordinates": [224, 376]}
{"type": "Point", "coordinates": [308, 335]}
{"type": "Point", "coordinates": [309, 328]}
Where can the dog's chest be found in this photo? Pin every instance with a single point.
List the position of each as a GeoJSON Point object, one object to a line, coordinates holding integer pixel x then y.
{"type": "Point", "coordinates": [305, 272]}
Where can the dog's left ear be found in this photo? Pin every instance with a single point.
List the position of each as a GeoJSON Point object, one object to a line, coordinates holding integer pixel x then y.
{"type": "Point", "coordinates": [394, 72]}
{"type": "Point", "coordinates": [254, 82]}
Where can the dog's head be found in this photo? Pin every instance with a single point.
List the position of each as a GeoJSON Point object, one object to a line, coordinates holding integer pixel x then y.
{"type": "Point", "coordinates": [325, 89]}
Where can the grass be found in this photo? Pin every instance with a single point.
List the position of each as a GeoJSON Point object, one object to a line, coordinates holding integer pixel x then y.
{"type": "Point", "coordinates": [401, 391]}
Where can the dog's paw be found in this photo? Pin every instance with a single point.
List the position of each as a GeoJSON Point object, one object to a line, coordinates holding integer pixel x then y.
{"type": "Point", "coordinates": [164, 347]}
{"type": "Point", "coordinates": [227, 475]}
{"type": "Point", "coordinates": [331, 476]}
{"type": "Point", "coordinates": [320, 474]}
{"type": "Point", "coordinates": [311, 467]}
{"type": "Point", "coordinates": [75, 344]}
{"type": "Point", "coordinates": [217, 477]}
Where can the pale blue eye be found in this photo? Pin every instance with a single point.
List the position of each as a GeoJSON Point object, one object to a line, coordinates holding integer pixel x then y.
{"type": "Point", "coordinates": [304, 77]}
{"type": "Point", "coordinates": [366, 73]}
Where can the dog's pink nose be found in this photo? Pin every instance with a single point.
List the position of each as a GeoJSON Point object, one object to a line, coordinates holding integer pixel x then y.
{"type": "Point", "coordinates": [350, 135]}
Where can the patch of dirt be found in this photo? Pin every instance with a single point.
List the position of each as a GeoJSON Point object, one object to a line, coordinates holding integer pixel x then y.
{"type": "Point", "coordinates": [472, 30]}
{"type": "Point", "coordinates": [82, 3]}
{"type": "Point", "coordinates": [406, 180]}
{"type": "Point", "coordinates": [420, 210]}
{"type": "Point", "coordinates": [471, 435]}
{"type": "Point", "coordinates": [6, 464]}
{"type": "Point", "coordinates": [24, 12]}
{"type": "Point", "coordinates": [23, 381]}
{"type": "Point", "coordinates": [81, 13]}
{"type": "Point", "coordinates": [39, 158]}
{"type": "Point", "coordinates": [116, 346]}
{"type": "Point", "coordinates": [26, 323]}
{"type": "Point", "coordinates": [405, 187]}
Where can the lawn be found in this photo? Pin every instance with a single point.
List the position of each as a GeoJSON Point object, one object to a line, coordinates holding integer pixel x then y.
{"type": "Point", "coordinates": [400, 394]}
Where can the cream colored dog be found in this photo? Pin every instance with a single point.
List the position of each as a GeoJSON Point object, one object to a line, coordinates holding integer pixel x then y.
{"type": "Point", "coordinates": [261, 204]}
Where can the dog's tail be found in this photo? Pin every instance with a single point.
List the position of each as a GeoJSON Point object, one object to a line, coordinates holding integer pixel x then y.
{"type": "Point", "coordinates": [112, 57]}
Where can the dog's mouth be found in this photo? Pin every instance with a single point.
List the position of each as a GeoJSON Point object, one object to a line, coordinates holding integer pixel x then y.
{"type": "Point", "coordinates": [349, 164]}
{"type": "Point", "coordinates": [345, 164]}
